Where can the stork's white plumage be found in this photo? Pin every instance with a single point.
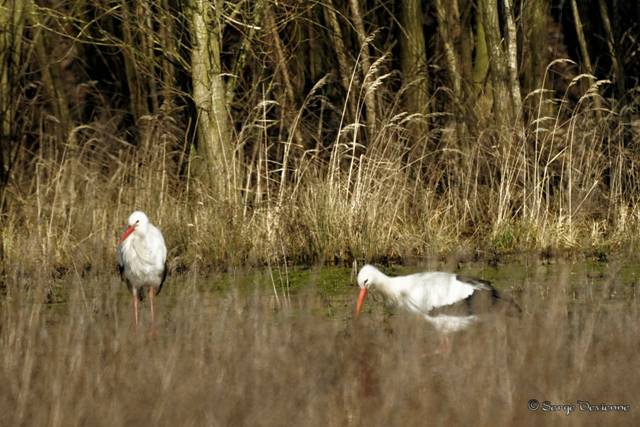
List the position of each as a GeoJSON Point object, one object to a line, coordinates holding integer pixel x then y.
{"type": "Point", "coordinates": [142, 257]}
{"type": "Point", "coordinates": [429, 295]}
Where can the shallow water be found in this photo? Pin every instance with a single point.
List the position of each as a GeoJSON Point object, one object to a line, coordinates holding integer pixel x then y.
{"type": "Point", "coordinates": [280, 347]}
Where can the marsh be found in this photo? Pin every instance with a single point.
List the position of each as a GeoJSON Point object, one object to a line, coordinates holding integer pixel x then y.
{"type": "Point", "coordinates": [280, 347]}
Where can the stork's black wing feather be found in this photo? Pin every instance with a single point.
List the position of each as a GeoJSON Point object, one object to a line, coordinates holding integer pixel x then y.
{"type": "Point", "coordinates": [120, 262]}
{"type": "Point", "coordinates": [164, 277]}
{"type": "Point", "coordinates": [484, 298]}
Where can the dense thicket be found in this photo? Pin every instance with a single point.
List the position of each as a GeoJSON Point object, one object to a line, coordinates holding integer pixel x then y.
{"type": "Point", "coordinates": [318, 130]}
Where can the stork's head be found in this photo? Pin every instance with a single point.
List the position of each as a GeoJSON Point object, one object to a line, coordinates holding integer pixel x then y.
{"type": "Point", "coordinates": [138, 224]}
{"type": "Point", "coordinates": [367, 277]}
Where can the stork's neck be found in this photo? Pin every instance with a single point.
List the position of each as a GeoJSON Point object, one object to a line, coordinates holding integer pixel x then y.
{"type": "Point", "coordinates": [141, 246]}
{"type": "Point", "coordinates": [383, 283]}
{"type": "Point", "coordinates": [141, 231]}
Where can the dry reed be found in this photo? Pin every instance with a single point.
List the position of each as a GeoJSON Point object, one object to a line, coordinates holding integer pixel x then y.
{"type": "Point", "coordinates": [238, 357]}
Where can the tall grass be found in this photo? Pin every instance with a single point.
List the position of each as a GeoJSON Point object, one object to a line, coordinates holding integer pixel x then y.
{"type": "Point", "coordinates": [565, 182]}
{"type": "Point", "coordinates": [239, 358]}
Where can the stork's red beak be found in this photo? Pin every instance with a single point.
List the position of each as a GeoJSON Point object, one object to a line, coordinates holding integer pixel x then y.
{"type": "Point", "coordinates": [128, 231]}
{"type": "Point", "coordinates": [361, 297]}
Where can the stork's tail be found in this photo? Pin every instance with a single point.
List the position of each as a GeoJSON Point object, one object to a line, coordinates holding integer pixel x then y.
{"type": "Point", "coordinates": [512, 308]}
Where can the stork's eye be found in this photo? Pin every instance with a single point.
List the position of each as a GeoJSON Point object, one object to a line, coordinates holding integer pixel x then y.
{"type": "Point", "coordinates": [137, 221]}
{"type": "Point", "coordinates": [365, 281]}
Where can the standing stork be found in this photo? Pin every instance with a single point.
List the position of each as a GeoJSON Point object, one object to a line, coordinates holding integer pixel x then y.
{"type": "Point", "coordinates": [142, 257]}
{"type": "Point", "coordinates": [449, 302]}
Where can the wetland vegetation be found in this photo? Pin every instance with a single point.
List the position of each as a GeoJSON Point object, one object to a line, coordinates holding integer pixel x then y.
{"type": "Point", "coordinates": [228, 351]}
{"type": "Point", "coordinates": [341, 130]}
{"type": "Point", "coordinates": [277, 143]}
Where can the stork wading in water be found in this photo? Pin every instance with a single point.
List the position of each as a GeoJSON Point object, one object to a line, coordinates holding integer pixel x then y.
{"type": "Point", "coordinates": [142, 257]}
{"type": "Point", "coordinates": [449, 302]}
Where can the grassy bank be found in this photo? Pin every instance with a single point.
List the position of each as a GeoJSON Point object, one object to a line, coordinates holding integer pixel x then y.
{"type": "Point", "coordinates": [568, 187]}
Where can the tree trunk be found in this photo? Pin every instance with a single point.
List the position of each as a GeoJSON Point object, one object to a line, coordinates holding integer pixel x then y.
{"type": "Point", "coordinates": [12, 18]}
{"type": "Point", "coordinates": [512, 63]}
{"type": "Point", "coordinates": [535, 39]}
{"type": "Point", "coordinates": [136, 101]}
{"type": "Point", "coordinates": [50, 73]}
{"type": "Point", "coordinates": [368, 75]}
{"type": "Point", "coordinates": [167, 31]}
{"type": "Point", "coordinates": [214, 137]}
{"type": "Point", "coordinates": [481, 59]}
{"type": "Point", "coordinates": [281, 59]}
{"type": "Point", "coordinates": [499, 73]}
{"type": "Point", "coordinates": [584, 52]}
{"type": "Point", "coordinates": [414, 66]}
{"type": "Point", "coordinates": [613, 52]}
{"type": "Point", "coordinates": [343, 61]}
{"type": "Point", "coordinates": [447, 16]}
{"type": "Point", "coordinates": [537, 52]}
{"type": "Point", "coordinates": [248, 40]}
{"type": "Point", "coordinates": [149, 38]}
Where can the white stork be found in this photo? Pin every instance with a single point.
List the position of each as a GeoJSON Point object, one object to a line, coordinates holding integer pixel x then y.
{"type": "Point", "coordinates": [449, 302]}
{"type": "Point", "coordinates": [142, 257]}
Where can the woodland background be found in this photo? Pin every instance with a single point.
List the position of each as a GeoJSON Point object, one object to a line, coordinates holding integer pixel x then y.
{"type": "Point", "coordinates": [257, 132]}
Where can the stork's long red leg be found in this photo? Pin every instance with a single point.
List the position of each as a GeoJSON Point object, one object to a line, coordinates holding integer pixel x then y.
{"type": "Point", "coordinates": [445, 344]}
{"type": "Point", "coordinates": [135, 307]}
{"type": "Point", "coordinates": [152, 293]}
